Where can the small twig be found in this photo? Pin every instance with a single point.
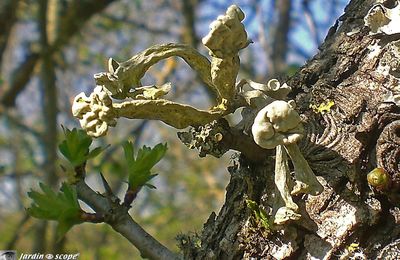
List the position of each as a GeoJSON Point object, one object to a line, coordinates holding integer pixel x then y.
{"type": "Point", "coordinates": [139, 25]}
{"type": "Point", "coordinates": [106, 185]}
{"type": "Point", "coordinates": [80, 171]}
{"type": "Point", "coordinates": [92, 217]}
{"type": "Point", "coordinates": [130, 196]}
{"type": "Point", "coordinates": [18, 232]}
{"type": "Point", "coordinates": [109, 194]}
{"type": "Point", "coordinates": [123, 223]}
{"type": "Point", "coordinates": [311, 22]}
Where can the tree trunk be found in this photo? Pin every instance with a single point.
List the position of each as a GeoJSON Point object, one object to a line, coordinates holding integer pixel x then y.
{"type": "Point", "coordinates": [360, 132]}
{"type": "Point", "coordinates": [280, 37]}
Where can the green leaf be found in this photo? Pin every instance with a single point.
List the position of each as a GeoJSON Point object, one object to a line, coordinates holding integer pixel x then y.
{"type": "Point", "coordinates": [66, 221]}
{"type": "Point", "coordinates": [96, 151]}
{"type": "Point", "coordinates": [259, 213]}
{"type": "Point", "coordinates": [252, 205]}
{"type": "Point", "coordinates": [62, 206]}
{"type": "Point", "coordinates": [75, 147]}
{"type": "Point", "coordinates": [129, 151]}
{"type": "Point", "coordinates": [264, 218]}
{"type": "Point", "coordinates": [139, 168]}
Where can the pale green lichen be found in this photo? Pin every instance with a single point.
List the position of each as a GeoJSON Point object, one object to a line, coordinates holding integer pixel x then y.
{"type": "Point", "coordinates": [289, 210]}
{"type": "Point", "coordinates": [125, 76]}
{"type": "Point", "coordinates": [95, 113]}
{"type": "Point", "coordinates": [150, 92]}
{"type": "Point", "coordinates": [174, 114]}
{"type": "Point", "coordinates": [272, 89]}
{"type": "Point", "coordinates": [279, 125]}
{"type": "Point", "coordinates": [226, 38]}
{"type": "Point", "coordinates": [276, 123]}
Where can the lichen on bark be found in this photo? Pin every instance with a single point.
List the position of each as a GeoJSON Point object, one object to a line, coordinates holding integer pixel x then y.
{"type": "Point", "coordinates": [356, 70]}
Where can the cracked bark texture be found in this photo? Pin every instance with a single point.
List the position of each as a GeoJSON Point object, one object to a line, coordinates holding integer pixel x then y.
{"type": "Point", "coordinates": [349, 220]}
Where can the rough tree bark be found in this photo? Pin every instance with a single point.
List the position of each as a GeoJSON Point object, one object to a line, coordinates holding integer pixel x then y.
{"type": "Point", "coordinates": [350, 219]}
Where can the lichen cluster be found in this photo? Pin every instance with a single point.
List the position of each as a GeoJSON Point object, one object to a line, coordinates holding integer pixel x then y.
{"type": "Point", "coordinates": [206, 139]}
{"type": "Point", "coordinates": [95, 113]}
{"type": "Point", "coordinates": [122, 81]}
{"type": "Point", "coordinates": [279, 126]}
{"type": "Point", "coordinates": [272, 121]}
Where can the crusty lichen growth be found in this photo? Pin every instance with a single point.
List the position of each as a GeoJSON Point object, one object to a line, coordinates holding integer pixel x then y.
{"type": "Point", "coordinates": [382, 20]}
{"type": "Point", "coordinates": [279, 125]}
{"type": "Point", "coordinates": [122, 81]}
{"type": "Point", "coordinates": [276, 124]}
{"type": "Point", "coordinates": [206, 139]}
{"type": "Point", "coordinates": [273, 122]}
{"type": "Point", "coordinates": [225, 39]}
{"type": "Point", "coordinates": [95, 113]}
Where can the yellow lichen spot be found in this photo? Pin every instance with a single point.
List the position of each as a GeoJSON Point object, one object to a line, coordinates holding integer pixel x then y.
{"type": "Point", "coordinates": [222, 106]}
{"type": "Point", "coordinates": [323, 107]}
{"type": "Point", "coordinates": [353, 247]}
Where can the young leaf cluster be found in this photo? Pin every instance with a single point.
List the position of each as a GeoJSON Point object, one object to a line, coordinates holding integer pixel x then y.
{"type": "Point", "coordinates": [259, 214]}
{"type": "Point", "coordinates": [62, 206]}
{"type": "Point", "coordinates": [75, 147]}
{"type": "Point", "coordinates": [139, 167]}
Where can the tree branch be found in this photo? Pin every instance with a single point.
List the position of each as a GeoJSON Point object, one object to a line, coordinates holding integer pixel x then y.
{"type": "Point", "coordinates": [139, 25]}
{"type": "Point", "coordinates": [188, 32]}
{"type": "Point", "coordinates": [280, 37]}
{"type": "Point", "coordinates": [19, 79]}
{"type": "Point", "coordinates": [17, 122]}
{"type": "Point", "coordinates": [120, 220]}
{"type": "Point", "coordinates": [8, 14]}
{"type": "Point", "coordinates": [311, 22]}
{"type": "Point", "coordinates": [75, 15]}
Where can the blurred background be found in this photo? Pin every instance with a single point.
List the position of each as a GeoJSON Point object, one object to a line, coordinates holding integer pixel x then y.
{"type": "Point", "coordinates": [49, 51]}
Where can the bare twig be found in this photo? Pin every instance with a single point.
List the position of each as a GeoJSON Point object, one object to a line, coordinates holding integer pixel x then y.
{"type": "Point", "coordinates": [311, 23]}
{"type": "Point", "coordinates": [138, 24]}
{"type": "Point", "coordinates": [120, 220]}
{"type": "Point", "coordinates": [76, 14]}
{"type": "Point", "coordinates": [263, 39]}
{"type": "Point", "coordinates": [8, 14]}
{"type": "Point", "coordinates": [18, 231]}
{"type": "Point", "coordinates": [16, 122]}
